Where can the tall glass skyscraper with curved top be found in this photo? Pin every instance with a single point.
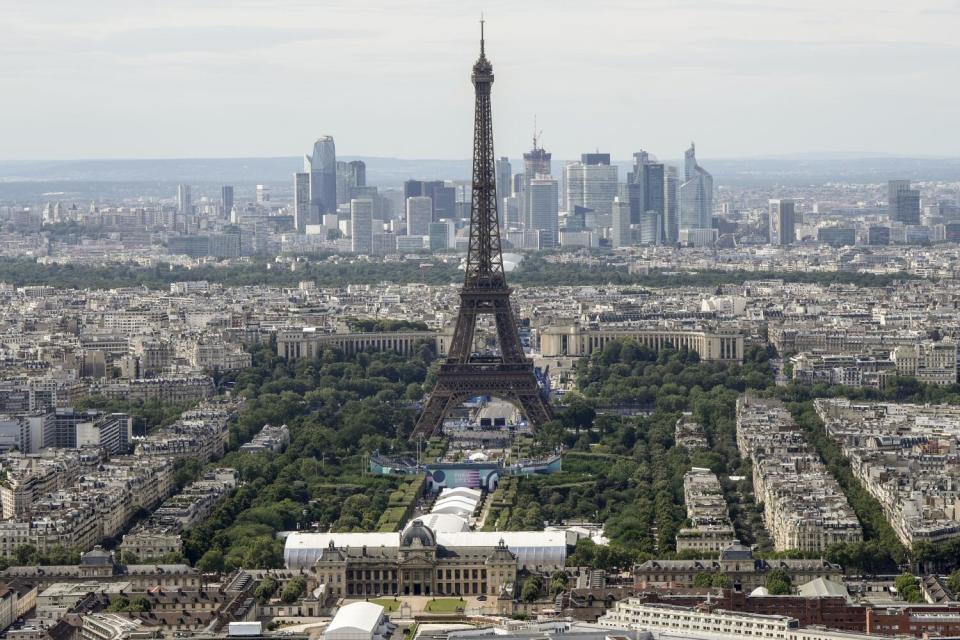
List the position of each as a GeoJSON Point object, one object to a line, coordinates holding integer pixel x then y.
{"type": "Point", "coordinates": [696, 194]}
{"type": "Point", "coordinates": [322, 167]}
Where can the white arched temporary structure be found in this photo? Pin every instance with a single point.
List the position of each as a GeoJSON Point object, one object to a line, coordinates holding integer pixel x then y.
{"type": "Point", "coordinates": [443, 523]}
{"type": "Point", "coordinates": [355, 621]}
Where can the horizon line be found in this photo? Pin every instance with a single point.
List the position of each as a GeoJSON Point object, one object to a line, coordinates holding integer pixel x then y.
{"type": "Point", "coordinates": [848, 155]}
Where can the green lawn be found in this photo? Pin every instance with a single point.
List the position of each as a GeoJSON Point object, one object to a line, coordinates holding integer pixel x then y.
{"type": "Point", "coordinates": [444, 605]}
{"type": "Point", "coordinates": [389, 604]}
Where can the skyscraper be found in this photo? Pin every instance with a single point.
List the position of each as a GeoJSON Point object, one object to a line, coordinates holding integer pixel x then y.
{"type": "Point", "coordinates": [322, 167]}
{"type": "Point", "coordinates": [536, 162]}
{"type": "Point", "coordinates": [592, 184]}
{"type": "Point", "coordinates": [696, 194]}
{"type": "Point", "coordinates": [350, 175]}
{"type": "Point", "coordinates": [651, 227]}
{"type": "Point", "coordinates": [444, 202]}
{"type": "Point", "coordinates": [442, 235]}
{"type": "Point", "coordinates": [544, 210]}
{"type": "Point", "coordinates": [894, 187]}
{"type": "Point", "coordinates": [184, 200]}
{"type": "Point", "coordinates": [444, 198]}
{"type": "Point", "coordinates": [361, 225]}
{"type": "Point", "coordinates": [226, 201]}
{"type": "Point", "coordinates": [908, 206]}
{"type": "Point", "coordinates": [621, 233]}
{"type": "Point", "coordinates": [903, 203]}
{"type": "Point", "coordinates": [782, 222]}
{"type": "Point", "coordinates": [302, 209]}
{"type": "Point", "coordinates": [419, 215]}
{"type": "Point", "coordinates": [671, 200]}
{"type": "Point", "coordinates": [646, 188]}
{"type": "Point", "coordinates": [595, 158]}
{"type": "Point", "coordinates": [504, 179]}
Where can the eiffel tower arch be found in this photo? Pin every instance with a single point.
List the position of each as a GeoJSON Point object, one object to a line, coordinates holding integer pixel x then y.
{"type": "Point", "coordinates": [465, 374]}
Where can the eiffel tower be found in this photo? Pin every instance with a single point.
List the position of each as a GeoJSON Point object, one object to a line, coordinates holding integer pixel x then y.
{"type": "Point", "coordinates": [510, 375]}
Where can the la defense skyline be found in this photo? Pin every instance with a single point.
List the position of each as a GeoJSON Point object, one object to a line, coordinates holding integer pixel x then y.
{"type": "Point", "coordinates": [653, 206]}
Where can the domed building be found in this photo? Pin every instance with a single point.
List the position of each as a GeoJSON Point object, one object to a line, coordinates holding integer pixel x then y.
{"type": "Point", "coordinates": [417, 535]}
{"type": "Point", "coordinates": [419, 566]}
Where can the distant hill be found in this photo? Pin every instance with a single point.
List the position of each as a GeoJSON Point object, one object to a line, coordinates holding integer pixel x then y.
{"type": "Point", "coordinates": [386, 171]}
{"type": "Point", "coordinates": [85, 179]}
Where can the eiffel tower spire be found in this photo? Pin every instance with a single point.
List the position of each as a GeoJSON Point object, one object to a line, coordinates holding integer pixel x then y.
{"type": "Point", "coordinates": [509, 374]}
{"type": "Point", "coordinates": [484, 256]}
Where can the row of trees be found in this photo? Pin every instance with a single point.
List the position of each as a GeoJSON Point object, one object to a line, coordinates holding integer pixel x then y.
{"type": "Point", "coordinates": [326, 271]}
{"type": "Point", "coordinates": [28, 555]}
{"type": "Point", "coordinates": [627, 471]}
{"type": "Point", "coordinates": [338, 409]}
{"type": "Point", "coordinates": [367, 325]}
{"type": "Point", "coordinates": [536, 271]}
{"type": "Point", "coordinates": [147, 415]}
{"type": "Point", "coordinates": [27, 271]}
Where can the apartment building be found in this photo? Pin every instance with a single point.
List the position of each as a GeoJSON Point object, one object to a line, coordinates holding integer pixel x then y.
{"type": "Point", "coordinates": [711, 530]}
{"type": "Point", "coordinates": [904, 455]}
{"type": "Point", "coordinates": [804, 507]}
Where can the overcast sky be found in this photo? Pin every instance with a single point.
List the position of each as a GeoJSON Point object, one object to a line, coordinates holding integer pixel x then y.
{"type": "Point", "coordinates": [205, 78]}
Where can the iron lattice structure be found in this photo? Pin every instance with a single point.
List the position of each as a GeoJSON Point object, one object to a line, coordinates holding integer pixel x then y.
{"type": "Point", "coordinates": [465, 374]}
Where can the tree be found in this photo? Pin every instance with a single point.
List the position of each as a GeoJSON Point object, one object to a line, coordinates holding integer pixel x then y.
{"type": "Point", "coordinates": [120, 603]}
{"type": "Point", "coordinates": [294, 589]}
{"type": "Point", "coordinates": [907, 588]}
{"type": "Point", "coordinates": [265, 590]}
{"type": "Point", "coordinates": [25, 554]}
{"type": "Point", "coordinates": [531, 589]}
{"type": "Point", "coordinates": [778, 582]}
{"type": "Point", "coordinates": [211, 562]}
{"type": "Point", "coordinates": [558, 583]}
{"type": "Point", "coordinates": [551, 434]}
{"type": "Point", "coordinates": [579, 414]}
{"type": "Point", "coordinates": [58, 554]}
{"type": "Point", "coordinates": [703, 579]}
{"type": "Point", "coordinates": [953, 582]}
{"type": "Point", "coordinates": [722, 581]}
{"type": "Point", "coordinates": [139, 604]}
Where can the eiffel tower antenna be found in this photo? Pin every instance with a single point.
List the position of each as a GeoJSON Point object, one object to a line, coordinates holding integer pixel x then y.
{"type": "Point", "coordinates": [508, 375]}
{"type": "Point", "coordinates": [481, 34]}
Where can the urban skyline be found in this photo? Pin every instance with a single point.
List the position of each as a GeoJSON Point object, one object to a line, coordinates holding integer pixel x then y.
{"type": "Point", "coordinates": [552, 399]}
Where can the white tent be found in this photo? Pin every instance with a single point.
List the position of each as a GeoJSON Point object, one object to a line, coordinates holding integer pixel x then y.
{"type": "Point", "coordinates": [456, 505]}
{"type": "Point", "coordinates": [355, 621]}
{"type": "Point", "coordinates": [462, 492]}
{"type": "Point", "coordinates": [302, 550]}
{"type": "Point", "coordinates": [443, 523]}
{"type": "Point", "coordinates": [544, 549]}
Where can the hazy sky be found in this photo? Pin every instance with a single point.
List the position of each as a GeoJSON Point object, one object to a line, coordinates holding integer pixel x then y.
{"type": "Point", "coordinates": [205, 78]}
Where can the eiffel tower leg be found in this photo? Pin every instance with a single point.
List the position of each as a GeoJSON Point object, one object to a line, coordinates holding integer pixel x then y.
{"type": "Point", "coordinates": [438, 406]}
{"type": "Point", "coordinates": [533, 406]}
{"type": "Point", "coordinates": [507, 334]}
{"type": "Point", "coordinates": [461, 346]}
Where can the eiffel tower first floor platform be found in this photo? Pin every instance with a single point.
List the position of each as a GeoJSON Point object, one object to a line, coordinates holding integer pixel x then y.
{"type": "Point", "coordinates": [458, 382]}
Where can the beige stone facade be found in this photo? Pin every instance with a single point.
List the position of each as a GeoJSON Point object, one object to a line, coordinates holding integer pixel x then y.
{"type": "Point", "coordinates": [419, 566]}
